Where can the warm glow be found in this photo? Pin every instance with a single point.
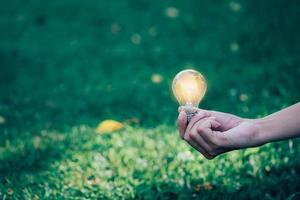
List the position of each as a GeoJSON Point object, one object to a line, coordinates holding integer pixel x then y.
{"type": "Point", "coordinates": [189, 87]}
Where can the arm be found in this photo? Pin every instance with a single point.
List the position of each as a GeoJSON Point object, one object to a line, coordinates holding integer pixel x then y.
{"type": "Point", "coordinates": [281, 125]}
{"type": "Point", "coordinates": [213, 133]}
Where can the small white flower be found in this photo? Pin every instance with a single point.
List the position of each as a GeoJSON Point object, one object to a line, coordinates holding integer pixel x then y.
{"type": "Point", "coordinates": [142, 162]}
{"type": "Point", "coordinates": [185, 156]}
{"type": "Point", "coordinates": [99, 158]}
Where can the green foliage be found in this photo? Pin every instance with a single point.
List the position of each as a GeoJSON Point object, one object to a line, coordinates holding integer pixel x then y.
{"type": "Point", "coordinates": [76, 62]}
{"type": "Point", "coordinates": [65, 65]}
{"type": "Point", "coordinates": [138, 163]}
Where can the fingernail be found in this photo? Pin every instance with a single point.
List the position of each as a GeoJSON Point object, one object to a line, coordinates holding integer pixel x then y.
{"type": "Point", "coordinates": [180, 108]}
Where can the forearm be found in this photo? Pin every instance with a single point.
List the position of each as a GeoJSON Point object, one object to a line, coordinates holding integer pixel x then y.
{"type": "Point", "coordinates": [284, 124]}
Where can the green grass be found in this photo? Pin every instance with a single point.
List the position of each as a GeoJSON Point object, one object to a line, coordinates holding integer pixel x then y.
{"type": "Point", "coordinates": [66, 65]}
{"type": "Point", "coordinates": [142, 164]}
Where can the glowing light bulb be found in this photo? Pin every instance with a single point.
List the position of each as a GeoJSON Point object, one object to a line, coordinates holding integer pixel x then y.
{"type": "Point", "coordinates": [189, 87]}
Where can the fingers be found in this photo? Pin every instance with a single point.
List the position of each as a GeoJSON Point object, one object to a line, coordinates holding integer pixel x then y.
{"type": "Point", "coordinates": [214, 123]}
{"type": "Point", "coordinates": [206, 132]}
{"type": "Point", "coordinates": [202, 136]}
{"type": "Point", "coordinates": [194, 139]}
{"type": "Point", "coordinates": [180, 108]}
{"type": "Point", "coordinates": [210, 123]}
{"type": "Point", "coordinates": [200, 149]}
{"type": "Point", "coordinates": [200, 115]}
{"type": "Point", "coordinates": [199, 144]}
{"type": "Point", "coordinates": [182, 123]}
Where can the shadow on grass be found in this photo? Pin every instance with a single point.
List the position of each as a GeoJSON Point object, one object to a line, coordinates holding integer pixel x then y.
{"type": "Point", "coordinates": [26, 161]}
{"type": "Point", "coordinates": [31, 170]}
{"type": "Point", "coordinates": [30, 159]}
{"type": "Point", "coordinates": [280, 183]}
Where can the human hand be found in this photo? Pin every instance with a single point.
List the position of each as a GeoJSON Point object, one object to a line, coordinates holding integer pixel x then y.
{"type": "Point", "coordinates": [212, 133]}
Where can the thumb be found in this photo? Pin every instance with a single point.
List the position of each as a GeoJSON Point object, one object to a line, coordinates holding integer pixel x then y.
{"type": "Point", "coordinates": [182, 123]}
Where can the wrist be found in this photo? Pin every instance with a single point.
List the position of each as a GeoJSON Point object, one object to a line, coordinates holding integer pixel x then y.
{"type": "Point", "coordinates": [263, 126]}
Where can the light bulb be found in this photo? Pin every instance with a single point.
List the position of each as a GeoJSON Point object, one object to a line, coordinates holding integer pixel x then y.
{"type": "Point", "coordinates": [189, 87]}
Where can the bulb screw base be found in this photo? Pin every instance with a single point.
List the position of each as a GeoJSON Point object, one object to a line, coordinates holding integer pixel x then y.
{"type": "Point", "coordinates": [190, 115]}
{"type": "Point", "coordinates": [190, 111]}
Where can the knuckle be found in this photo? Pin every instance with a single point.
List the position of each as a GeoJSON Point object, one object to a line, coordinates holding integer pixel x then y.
{"type": "Point", "coordinates": [193, 135]}
{"type": "Point", "coordinates": [186, 137]}
{"type": "Point", "coordinates": [201, 113]}
{"type": "Point", "coordinates": [200, 129]}
{"type": "Point", "coordinates": [206, 114]}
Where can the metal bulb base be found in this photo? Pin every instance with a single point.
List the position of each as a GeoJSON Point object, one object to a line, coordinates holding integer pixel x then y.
{"type": "Point", "coordinates": [190, 112]}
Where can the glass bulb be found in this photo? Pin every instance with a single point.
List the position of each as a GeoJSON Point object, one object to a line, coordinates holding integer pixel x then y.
{"type": "Point", "coordinates": [189, 87]}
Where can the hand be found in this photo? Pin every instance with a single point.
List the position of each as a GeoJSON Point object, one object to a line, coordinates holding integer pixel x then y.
{"type": "Point", "coordinates": [212, 133]}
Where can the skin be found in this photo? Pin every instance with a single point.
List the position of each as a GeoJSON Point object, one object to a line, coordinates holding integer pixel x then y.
{"type": "Point", "coordinates": [213, 133]}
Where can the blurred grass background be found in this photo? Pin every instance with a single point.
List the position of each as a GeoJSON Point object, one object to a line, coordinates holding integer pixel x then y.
{"type": "Point", "coordinates": [67, 65]}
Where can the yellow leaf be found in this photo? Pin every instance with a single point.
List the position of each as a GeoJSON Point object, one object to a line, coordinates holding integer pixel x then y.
{"type": "Point", "coordinates": [204, 186]}
{"type": "Point", "coordinates": [208, 186]}
{"type": "Point", "coordinates": [36, 197]}
{"type": "Point", "coordinates": [109, 126]}
{"type": "Point", "coordinates": [156, 78]}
